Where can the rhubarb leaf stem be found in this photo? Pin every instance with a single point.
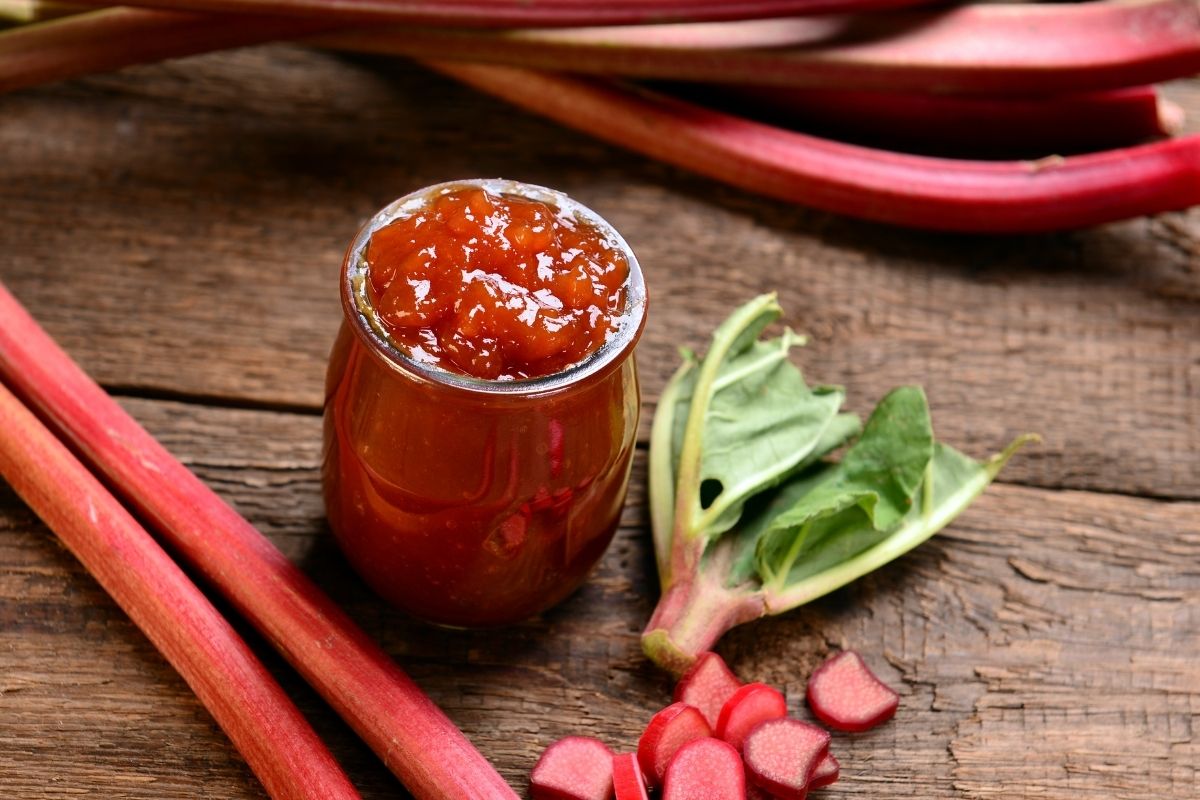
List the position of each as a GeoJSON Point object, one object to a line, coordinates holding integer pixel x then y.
{"type": "Point", "coordinates": [750, 319]}
{"type": "Point", "coordinates": [662, 469]}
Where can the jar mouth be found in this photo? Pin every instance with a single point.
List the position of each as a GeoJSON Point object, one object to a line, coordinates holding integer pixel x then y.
{"type": "Point", "coordinates": [363, 318]}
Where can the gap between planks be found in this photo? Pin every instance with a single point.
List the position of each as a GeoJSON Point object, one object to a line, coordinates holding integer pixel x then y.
{"type": "Point", "coordinates": [135, 392]}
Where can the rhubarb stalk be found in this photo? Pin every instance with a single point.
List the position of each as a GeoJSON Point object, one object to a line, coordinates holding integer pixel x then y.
{"type": "Point", "coordinates": [533, 13]}
{"type": "Point", "coordinates": [263, 724]}
{"type": "Point", "coordinates": [916, 191]}
{"type": "Point", "coordinates": [989, 49]}
{"type": "Point", "coordinates": [400, 723]}
{"type": "Point", "coordinates": [99, 41]}
{"type": "Point", "coordinates": [962, 124]}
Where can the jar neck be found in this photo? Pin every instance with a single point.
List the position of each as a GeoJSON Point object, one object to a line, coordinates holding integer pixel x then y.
{"type": "Point", "coordinates": [363, 320]}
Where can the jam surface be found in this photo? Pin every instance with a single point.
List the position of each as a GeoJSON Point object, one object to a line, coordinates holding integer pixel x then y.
{"type": "Point", "coordinates": [495, 286]}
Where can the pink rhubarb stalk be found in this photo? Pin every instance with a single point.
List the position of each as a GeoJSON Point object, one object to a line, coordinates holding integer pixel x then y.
{"type": "Point", "coordinates": [260, 720]}
{"type": "Point", "coordinates": [401, 724]}
{"type": "Point", "coordinates": [100, 41]}
{"type": "Point", "coordinates": [958, 124]}
{"type": "Point", "coordinates": [532, 13]}
{"type": "Point", "coordinates": [693, 614]}
{"type": "Point", "coordinates": [989, 49]}
{"type": "Point", "coordinates": [916, 191]}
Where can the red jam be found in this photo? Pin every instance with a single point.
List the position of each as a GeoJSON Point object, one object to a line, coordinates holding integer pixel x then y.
{"type": "Point", "coordinates": [495, 286]}
{"type": "Point", "coordinates": [482, 502]}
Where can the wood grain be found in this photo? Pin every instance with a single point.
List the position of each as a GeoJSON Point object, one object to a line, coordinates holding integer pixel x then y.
{"type": "Point", "coordinates": [1045, 643]}
{"type": "Point", "coordinates": [178, 228]}
{"type": "Point", "coordinates": [248, 173]}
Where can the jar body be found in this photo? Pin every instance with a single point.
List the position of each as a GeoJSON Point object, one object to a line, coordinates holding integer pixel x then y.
{"type": "Point", "coordinates": [469, 509]}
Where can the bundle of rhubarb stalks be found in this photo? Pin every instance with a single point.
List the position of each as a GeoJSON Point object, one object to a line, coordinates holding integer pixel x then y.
{"type": "Point", "coordinates": [980, 118]}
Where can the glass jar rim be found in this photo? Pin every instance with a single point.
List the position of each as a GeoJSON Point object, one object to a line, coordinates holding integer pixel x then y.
{"type": "Point", "coordinates": [357, 306]}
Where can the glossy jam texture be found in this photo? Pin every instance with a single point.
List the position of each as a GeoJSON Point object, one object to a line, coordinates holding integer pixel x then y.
{"type": "Point", "coordinates": [495, 286]}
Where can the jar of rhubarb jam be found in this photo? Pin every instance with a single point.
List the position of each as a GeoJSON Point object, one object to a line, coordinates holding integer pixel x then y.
{"type": "Point", "coordinates": [481, 403]}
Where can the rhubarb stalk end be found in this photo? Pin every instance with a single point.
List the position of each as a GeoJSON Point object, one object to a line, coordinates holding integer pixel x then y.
{"type": "Point", "coordinates": [691, 617]}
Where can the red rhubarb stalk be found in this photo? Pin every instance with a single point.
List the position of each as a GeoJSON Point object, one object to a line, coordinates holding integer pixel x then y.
{"type": "Point", "coordinates": [101, 41]}
{"type": "Point", "coordinates": [401, 724]}
{"type": "Point", "coordinates": [962, 125]}
{"type": "Point", "coordinates": [916, 191]}
{"type": "Point", "coordinates": [990, 49]}
{"type": "Point", "coordinates": [533, 13]}
{"type": "Point", "coordinates": [260, 720]}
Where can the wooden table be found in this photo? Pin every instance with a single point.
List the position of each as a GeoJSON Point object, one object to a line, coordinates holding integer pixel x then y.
{"type": "Point", "coordinates": [179, 227]}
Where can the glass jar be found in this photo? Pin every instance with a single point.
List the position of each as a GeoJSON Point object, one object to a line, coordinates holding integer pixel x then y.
{"type": "Point", "coordinates": [465, 501]}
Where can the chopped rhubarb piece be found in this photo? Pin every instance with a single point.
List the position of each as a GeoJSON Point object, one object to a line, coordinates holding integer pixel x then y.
{"type": "Point", "coordinates": [628, 781]}
{"type": "Point", "coordinates": [707, 686]}
{"type": "Point", "coordinates": [574, 768]}
{"type": "Point", "coordinates": [846, 695]}
{"type": "Point", "coordinates": [782, 755]}
{"type": "Point", "coordinates": [705, 769]}
{"type": "Point", "coordinates": [825, 773]}
{"type": "Point", "coordinates": [669, 729]}
{"type": "Point", "coordinates": [749, 706]}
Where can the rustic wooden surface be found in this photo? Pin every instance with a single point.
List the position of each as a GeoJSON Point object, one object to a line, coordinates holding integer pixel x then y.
{"type": "Point", "coordinates": [178, 228]}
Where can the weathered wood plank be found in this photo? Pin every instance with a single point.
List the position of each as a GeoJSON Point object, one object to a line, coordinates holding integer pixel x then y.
{"type": "Point", "coordinates": [179, 227]}
{"type": "Point", "coordinates": [1044, 646]}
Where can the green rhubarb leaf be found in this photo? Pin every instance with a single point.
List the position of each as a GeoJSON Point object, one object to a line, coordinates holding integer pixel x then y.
{"type": "Point", "coordinates": [872, 488]}
{"type": "Point", "coordinates": [742, 421]}
{"type": "Point", "coordinates": [763, 508]}
{"type": "Point", "coordinates": [844, 547]}
{"type": "Point", "coordinates": [763, 422]}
